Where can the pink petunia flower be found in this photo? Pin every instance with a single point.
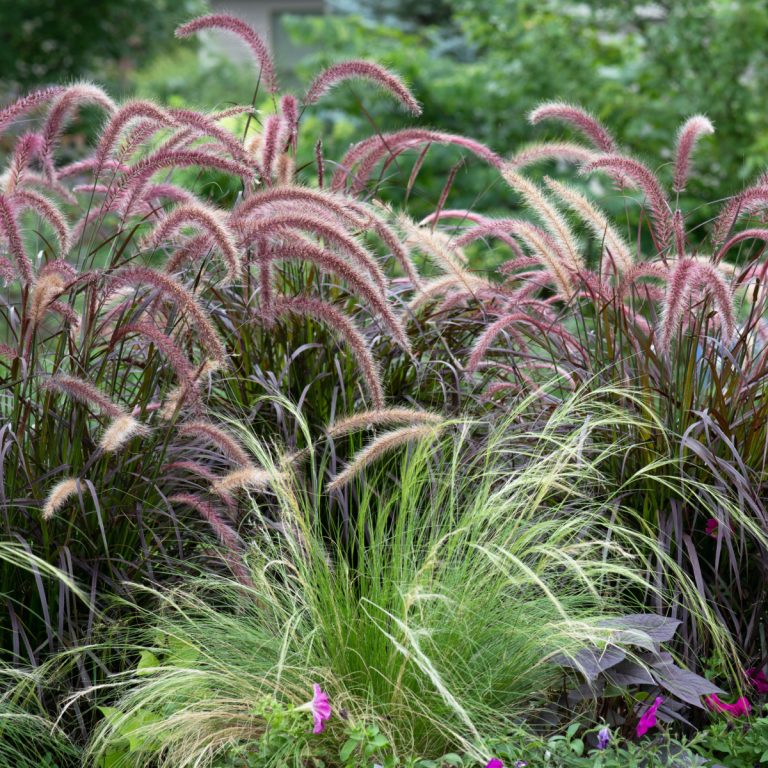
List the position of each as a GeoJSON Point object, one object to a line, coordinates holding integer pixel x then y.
{"type": "Point", "coordinates": [320, 708]}
{"type": "Point", "coordinates": [711, 527]}
{"type": "Point", "coordinates": [495, 763]}
{"type": "Point", "coordinates": [648, 718]}
{"type": "Point", "coordinates": [740, 708]}
{"type": "Point", "coordinates": [757, 679]}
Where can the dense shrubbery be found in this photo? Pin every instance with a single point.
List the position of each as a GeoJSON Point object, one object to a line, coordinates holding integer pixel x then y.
{"type": "Point", "coordinates": [559, 513]}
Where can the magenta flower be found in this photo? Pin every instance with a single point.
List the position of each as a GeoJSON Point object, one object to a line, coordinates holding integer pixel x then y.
{"type": "Point", "coordinates": [711, 527]}
{"type": "Point", "coordinates": [495, 763]}
{"type": "Point", "coordinates": [757, 679]}
{"type": "Point", "coordinates": [603, 737]}
{"type": "Point", "coordinates": [320, 708]}
{"type": "Point", "coordinates": [648, 718]}
{"type": "Point", "coordinates": [740, 708]}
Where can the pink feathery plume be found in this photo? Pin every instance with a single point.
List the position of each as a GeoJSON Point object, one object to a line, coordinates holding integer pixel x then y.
{"type": "Point", "coordinates": [177, 358]}
{"type": "Point", "coordinates": [223, 530]}
{"type": "Point", "coordinates": [211, 221]}
{"type": "Point", "coordinates": [453, 213]}
{"type": "Point", "coordinates": [8, 353]}
{"type": "Point", "coordinates": [483, 343]}
{"type": "Point", "coordinates": [489, 228]}
{"type": "Point", "coordinates": [170, 192]}
{"type": "Point", "coordinates": [133, 182]}
{"type": "Point", "coordinates": [688, 276]}
{"type": "Point", "coordinates": [62, 107]}
{"type": "Point", "coordinates": [747, 234]}
{"type": "Point", "coordinates": [185, 300]}
{"type": "Point", "coordinates": [242, 30]}
{"type": "Point", "coordinates": [27, 103]}
{"type": "Point", "coordinates": [639, 270]}
{"type": "Point", "coordinates": [260, 228]}
{"type": "Point", "coordinates": [333, 264]}
{"type": "Point", "coordinates": [746, 202]}
{"type": "Point", "coordinates": [275, 200]}
{"type": "Point", "coordinates": [388, 143]}
{"type": "Point", "coordinates": [10, 229]}
{"type": "Point", "coordinates": [366, 70]}
{"type": "Point", "coordinates": [344, 330]}
{"type": "Point", "coordinates": [83, 392]}
{"type": "Point", "coordinates": [132, 110]}
{"type": "Point", "coordinates": [678, 227]}
{"type": "Point", "coordinates": [218, 437]}
{"type": "Point", "coordinates": [289, 108]}
{"type": "Point", "coordinates": [207, 126]}
{"type": "Point", "coordinates": [195, 249]}
{"type": "Point", "coordinates": [580, 119]}
{"type": "Point", "coordinates": [274, 139]}
{"type": "Point", "coordinates": [46, 209]}
{"type": "Point", "coordinates": [633, 171]}
{"type": "Point", "coordinates": [27, 147]}
{"type": "Point", "coordinates": [7, 271]}
{"type": "Point", "coordinates": [391, 146]}
{"type": "Point", "coordinates": [554, 150]}
{"type": "Point", "coordinates": [59, 267]}
{"type": "Point", "coordinates": [690, 132]}
{"type": "Point", "coordinates": [88, 165]}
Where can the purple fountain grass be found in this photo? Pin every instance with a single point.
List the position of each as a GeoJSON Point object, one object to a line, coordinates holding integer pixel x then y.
{"type": "Point", "coordinates": [211, 220]}
{"type": "Point", "coordinates": [630, 170]}
{"type": "Point", "coordinates": [27, 147]}
{"type": "Point", "coordinates": [10, 230]}
{"type": "Point", "coordinates": [62, 106]}
{"type": "Point", "coordinates": [26, 199]}
{"type": "Point", "coordinates": [206, 126]}
{"type": "Point", "coordinates": [344, 329]}
{"type": "Point", "coordinates": [551, 150]}
{"type": "Point", "coordinates": [325, 228]}
{"type": "Point", "coordinates": [373, 149]}
{"type": "Point", "coordinates": [747, 234]}
{"type": "Point", "coordinates": [59, 495]}
{"type": "Point", "coordinates": [333, 264]}
{"type": "Point", "coordinates": [217, 436]}
{"type": "Point", "coordinates": [690, 132]}
{"type": "Point", "coordinates": [122, 117]}
{"type": "Point", "coordinates": [313, 201]}
{"type": "Point", "coordinates": [555, 223]}
{"type": "Point", "coordinates": [131, 185]}
{"type": "Point", "coordinates": [358, 69]}
{"type": "Point", "coordinates": [388, 417]}
{"type": "Point", "coordinates": [237, 27]}
{"type": "Point", "coordinates": [748, 201]}
{"type": "Point", "coordinates": [274, 138]}
{"type": "Point", "coordinates": [27, 103]}
{"type": "Point", "coordinates": [688, 276]}
{"type": "Point", "coordinates": [226, 534]}
{"type": "Point", "coordinates": [484, 341]}
{"type": "Point", "coordinates": [46, 289]}
{"type": "Point", "coordinates": [379, 447]}
{"type": "Point", "coordinates": [597, 221]}
{"type": "Point", "coordinates": [586, 124]}
{"type": "Point", "coordinates": [184, 299]}
{"type": "Point", "coordinates": [289, 109]}
{"type": "Point", "coordinates": [194, 250]}
{"type": "Point", "coordinates": [83, 392]}
{"type": "Point", "coordinates": [7, 270]}
{"type": "Point", "coordinates": [178, 360]}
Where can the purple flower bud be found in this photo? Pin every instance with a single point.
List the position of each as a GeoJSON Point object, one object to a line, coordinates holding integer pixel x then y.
{"type": "Point", "coordinates": [603, 737]}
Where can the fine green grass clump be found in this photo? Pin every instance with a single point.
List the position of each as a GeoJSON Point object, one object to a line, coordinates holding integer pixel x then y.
{"type": "Point", "coordinates": [433, 608]}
